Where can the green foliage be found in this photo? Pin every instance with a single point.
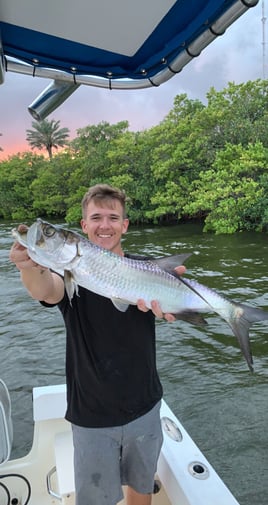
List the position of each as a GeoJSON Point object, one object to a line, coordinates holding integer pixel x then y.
{"type": "Point", "coordinates": [51, 188]}
{"type": "Point", "coordinates": [255, 217]}
{"type": "Point", "coordinates": [230, 188]}
{"type": "Point", "coordinates": [90, 150]}
{"type": "Point", "coordinates": [16, 176]}
{"type": "Point", "coordinates": [204, 162]}
{"type": "Point", "coordinates": [130, 168]}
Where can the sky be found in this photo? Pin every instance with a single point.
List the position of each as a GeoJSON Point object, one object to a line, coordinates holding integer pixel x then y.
{"type": "Point", "coordinates": [238, 56]}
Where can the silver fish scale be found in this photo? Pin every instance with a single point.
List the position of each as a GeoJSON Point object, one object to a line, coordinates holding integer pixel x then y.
{"type": "Point", "coordinates": [126, 279]}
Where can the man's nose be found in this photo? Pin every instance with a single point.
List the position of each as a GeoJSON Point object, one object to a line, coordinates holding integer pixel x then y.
{"type": "Point", "coordinates": [105, 222]}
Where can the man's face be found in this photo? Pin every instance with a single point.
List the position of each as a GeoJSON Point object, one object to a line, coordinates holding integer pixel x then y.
{"type": "Point", "coordinates": [104, 224]}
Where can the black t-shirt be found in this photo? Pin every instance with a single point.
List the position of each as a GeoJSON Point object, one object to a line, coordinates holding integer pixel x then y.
{"type": "Point", "coordinates": [111, 370]}
{"type": "Point", "coordinates": [110, 361]}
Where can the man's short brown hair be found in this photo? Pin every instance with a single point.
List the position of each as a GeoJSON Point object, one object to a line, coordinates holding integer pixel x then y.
{"type": "Point", "coordinates": [103, 193]}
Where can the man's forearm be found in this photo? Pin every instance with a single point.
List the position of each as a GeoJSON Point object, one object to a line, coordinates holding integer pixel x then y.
{"type": "Point", "coordinates": [39, 282]}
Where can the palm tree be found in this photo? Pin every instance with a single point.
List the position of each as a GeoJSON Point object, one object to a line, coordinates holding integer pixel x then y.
{"type": "Point", "coordinates": [0, 146]}
{"type": "Point", "coordinates": [47, 134]}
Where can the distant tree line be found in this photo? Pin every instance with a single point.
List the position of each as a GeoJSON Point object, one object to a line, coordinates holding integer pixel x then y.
{"type": "Point", "coordinates": [206, 162]}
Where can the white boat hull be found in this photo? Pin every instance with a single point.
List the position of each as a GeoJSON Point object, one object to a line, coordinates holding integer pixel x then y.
{"type": "Point", "coordinates": [46, 473]}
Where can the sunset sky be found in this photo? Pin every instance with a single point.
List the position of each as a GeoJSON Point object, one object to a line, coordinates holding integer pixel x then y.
{"type": "Point", "coordinates": [237, 56]}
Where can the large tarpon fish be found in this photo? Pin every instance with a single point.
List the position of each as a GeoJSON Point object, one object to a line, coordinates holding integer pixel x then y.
{"type": "Point", "coordinates": [125, 280]}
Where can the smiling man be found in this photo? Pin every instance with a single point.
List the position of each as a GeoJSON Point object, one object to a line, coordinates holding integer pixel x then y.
{"type": "Point", "coordinates": [113, 388]}
{"type": "Point", "coordinates": [104, 219]}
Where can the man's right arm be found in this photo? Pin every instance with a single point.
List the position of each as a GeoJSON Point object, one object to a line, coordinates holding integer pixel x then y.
{"type": "Point", "coordinates": [40, 282]}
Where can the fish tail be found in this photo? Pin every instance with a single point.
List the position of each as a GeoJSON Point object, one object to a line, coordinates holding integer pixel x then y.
{"type": "Point", "coordinates": [245, 316]}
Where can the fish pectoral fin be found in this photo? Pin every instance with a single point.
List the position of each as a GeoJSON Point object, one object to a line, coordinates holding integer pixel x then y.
{"type": "Point", "coordinates": [168, 263]}
{"type": "Point", "coordinates": [120, 304]}
{"type": "Point", "coordinates": [191, 317]}
{"type": "Point", "coordinates": [70, 284]}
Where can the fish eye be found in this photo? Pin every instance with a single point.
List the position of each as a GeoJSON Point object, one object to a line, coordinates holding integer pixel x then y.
{"type": "Point", "coordinates": [49, 231]}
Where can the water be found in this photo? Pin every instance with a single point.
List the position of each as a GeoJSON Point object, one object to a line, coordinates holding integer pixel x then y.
{"type": "Point", "coordinates": [206, 380]}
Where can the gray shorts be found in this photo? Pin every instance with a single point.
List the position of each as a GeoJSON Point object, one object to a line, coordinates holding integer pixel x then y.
{"type": "Point", "coordinates": [107, 458]}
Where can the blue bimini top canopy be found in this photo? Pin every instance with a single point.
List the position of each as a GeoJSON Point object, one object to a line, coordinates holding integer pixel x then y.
{"type": "Point", "coordinates": [121, 44]}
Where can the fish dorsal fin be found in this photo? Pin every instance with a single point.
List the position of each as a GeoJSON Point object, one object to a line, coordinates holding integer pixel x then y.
{"type": "Point", "coordinates": [119, 304]}
{"type": "Point", "coordinates": [168, 263]}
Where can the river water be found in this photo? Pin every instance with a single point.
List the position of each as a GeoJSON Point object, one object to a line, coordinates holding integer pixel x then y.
{"type": "Point", "coordinates": [206, 381]}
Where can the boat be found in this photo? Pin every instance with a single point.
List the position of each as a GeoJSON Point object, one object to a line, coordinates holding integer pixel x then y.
{"type": "Point", "coordinates": [45, 476]}
{"type": "Point", "coordinates": [114, 45]}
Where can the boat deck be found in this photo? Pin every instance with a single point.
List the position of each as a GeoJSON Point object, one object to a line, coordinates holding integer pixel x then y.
{"type": "Point", "coordinates": [45, 476]}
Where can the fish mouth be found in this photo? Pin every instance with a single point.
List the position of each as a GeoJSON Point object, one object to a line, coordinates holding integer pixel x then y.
{"type": "Point", "coordinates": [34, 236]}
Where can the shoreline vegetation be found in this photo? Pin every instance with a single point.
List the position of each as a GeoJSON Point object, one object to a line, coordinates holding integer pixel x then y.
{"type": "Point", "coordinates": [206, 163]}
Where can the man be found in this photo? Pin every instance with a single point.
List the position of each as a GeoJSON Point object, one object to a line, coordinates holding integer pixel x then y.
{"type": "Point", "coordinates": [113, 388]}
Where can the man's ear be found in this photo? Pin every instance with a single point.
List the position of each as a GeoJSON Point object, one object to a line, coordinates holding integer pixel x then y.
{"type": "Point", "coordinates": [83, 225]}
{"type": "Point", "coordinates": [125, 225]}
